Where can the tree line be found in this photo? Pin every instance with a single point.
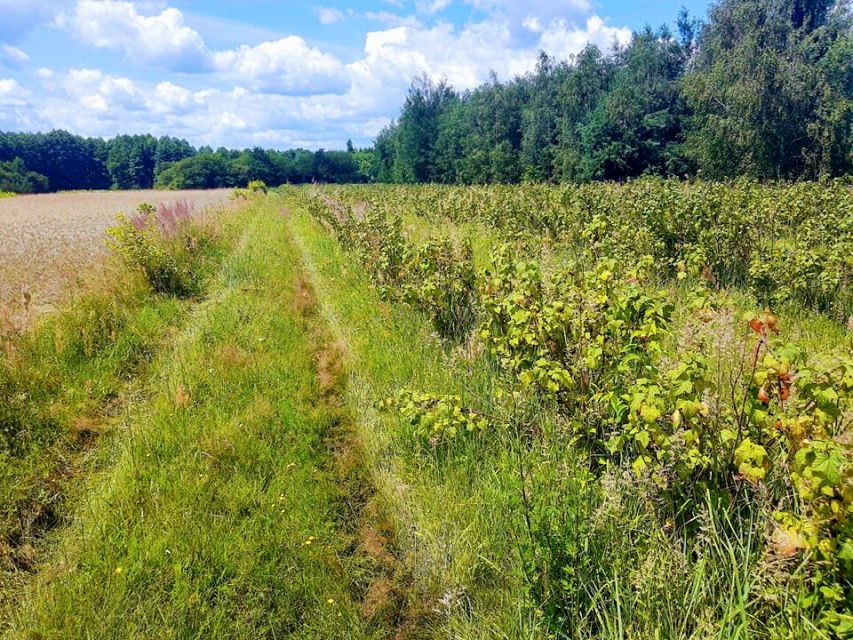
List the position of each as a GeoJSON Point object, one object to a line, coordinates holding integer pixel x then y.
{"type": "Point", "coordinates": [761, 88]}
{"type": "Point", "coordinates": [60, 161]}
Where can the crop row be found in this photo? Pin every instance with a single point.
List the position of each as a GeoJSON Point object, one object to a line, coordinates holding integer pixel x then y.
{"type": "Point", "coordinates": [785, 242]}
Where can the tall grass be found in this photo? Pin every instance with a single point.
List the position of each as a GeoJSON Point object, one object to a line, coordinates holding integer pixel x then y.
{"type": "Point", "coordinates": [64, 384]}
{"type": "Point", "coordinates": [61, 385]}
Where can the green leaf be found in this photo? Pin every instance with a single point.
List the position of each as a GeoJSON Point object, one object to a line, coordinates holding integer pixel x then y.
{"type": "Point", "coordinates": [752, 460]}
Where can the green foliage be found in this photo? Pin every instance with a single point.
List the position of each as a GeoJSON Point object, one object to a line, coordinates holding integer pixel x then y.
{"type": "Point", "coordinates": [60, 161]}
{"type": "Point", "coordinates": [15, 178]}
{"type": "Point", "coordinates": [588, 338]}
{"type": "Point", "coordinates": [61, 385]}
{"type": "Point", "coordinates": [437, 277]}
{"type": "Point", "coordinates": [593, 337]}
{"type": "Point", "coordinates": [760, 90]}
{"type": "Point", "coordinates": [436, 419]}
{"type": "Point", "coordinates": [205, 171]}
{"type": "Point", "coordinates": [257, 186]}
{"type": "Point", "coordinates": [243, 533]}
{"type": "Point", "coordinates": [592, 342]}
{"type": "Point", "coordinates": [65, 161]}
{"type": "Point", "coordinates": [131, 161]}
{"type": "Point", "coordinates": [174, 258]}
{"type": "Point", "coordinates": [787, 242]}
{"type": "Point", "coordinates": [442, 282]}
{"type": "Point", "coordinates": [414, 149]}
{"type": "Point", "coordinates": [763, 85]}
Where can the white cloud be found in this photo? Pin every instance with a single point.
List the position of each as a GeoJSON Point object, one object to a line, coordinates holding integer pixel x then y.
{"type": "Point", "coordinates": [106, 94]}
{"type": "Point", "coordinates": [329, 15]}
{"type": "Point", "coordinates": [8, 86]}
{"type": "Point", "coordinates": [562, 41]}
{"type": "Point", "coordinates": [17, 111]}
{"type": "Point", "coordinates": [287, 66]}
{"type": "Point", "coordinates": [13, 56]}
{"type": "Point", "coordinates": [162, 39]}
{"type": "Point", "coordinates": [171, 98]}
{"type": "Point", "coordinates": [393, 19]}
{"type": "Point", "coordinates": [12, 94]}
{"type": "Point", "coordinates": [527, 18]}
{"type": "Point", "coordinates": [546, 9]}
{"type": "Point", "coordinates": [20, 17]}
{"type": "Point", "coordinates": [286, 92]}
{"type": "Point", "coordinates": [432, 6]}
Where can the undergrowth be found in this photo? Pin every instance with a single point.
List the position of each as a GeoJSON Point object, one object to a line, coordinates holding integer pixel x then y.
{"type": "Point", "coordinates": [599, 411]}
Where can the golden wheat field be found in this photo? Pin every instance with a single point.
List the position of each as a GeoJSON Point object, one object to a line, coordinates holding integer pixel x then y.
{"type": "Point", "coordinates": [50, 242]}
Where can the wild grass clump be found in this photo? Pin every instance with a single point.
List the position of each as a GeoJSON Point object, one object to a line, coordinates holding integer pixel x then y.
{"type": "Point", "coordinates": [60, 383]}
{"type": "Point", "coordinates": [170, 245]}
{"type": "Point", "coordinates": [6, 194]}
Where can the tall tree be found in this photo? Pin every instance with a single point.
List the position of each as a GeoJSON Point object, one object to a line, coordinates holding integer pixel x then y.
{"type": "Point", "coordinates": [539, 128]}
{"type": "Point", "coordinates": [414, 158]}
{"type": "Point", "coordinates": [579, 93]}
{"type": "Point", "coordinates": [636, 126]}
{"type": "Point", "coordinates": [768, 85]}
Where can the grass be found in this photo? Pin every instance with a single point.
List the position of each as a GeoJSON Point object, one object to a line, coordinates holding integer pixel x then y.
{"type": "Point", "coordinates": [219, 517]}
{"type": "Point", "coordinates": [456, 518]}
{"type": "Point", "coordinates": [53, 244]}
{"type": "Point", "coordinates": [62, 386]}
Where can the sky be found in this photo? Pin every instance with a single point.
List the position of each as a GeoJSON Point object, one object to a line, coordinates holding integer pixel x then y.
{"type": "Point", "coordinates": [279, 74]}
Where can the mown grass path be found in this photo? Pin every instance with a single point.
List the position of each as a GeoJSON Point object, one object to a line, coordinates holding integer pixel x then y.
{"type": "Point", "coordinates": [222, 515]}
{"type": "Point", "coordinates": [454, 518]}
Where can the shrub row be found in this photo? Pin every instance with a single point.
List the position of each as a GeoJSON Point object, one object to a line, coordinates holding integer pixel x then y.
{"type": "Point", "coordinates": [594, 339]}
{"type": "Point", "coordinates": [785, 242]}
{"type": "Point", "coordinates": [437, 277]}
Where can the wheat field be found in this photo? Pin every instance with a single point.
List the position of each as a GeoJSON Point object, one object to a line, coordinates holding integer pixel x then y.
{"type": "Point", "coordinates": [50, 243]}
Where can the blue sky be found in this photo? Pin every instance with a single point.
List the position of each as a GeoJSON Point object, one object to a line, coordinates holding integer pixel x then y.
{"type": "Point", "coordinates": [280, 74]}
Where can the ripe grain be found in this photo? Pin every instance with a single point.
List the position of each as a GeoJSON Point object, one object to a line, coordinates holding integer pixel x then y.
{"type": "Point", "coordinates": [50, 242]}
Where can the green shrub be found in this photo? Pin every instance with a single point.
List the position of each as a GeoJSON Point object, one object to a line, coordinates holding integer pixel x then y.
{"type": "Point", "coordinates": [436, 419]}
{"type": "Point", "coordinates": [441, 281]}
{"type": "Point", "coordinates": [168, 246]}
{"type": "Point", "coordinates": [437, 277]}
{"type": "Point", "coordinates": [785, 241]}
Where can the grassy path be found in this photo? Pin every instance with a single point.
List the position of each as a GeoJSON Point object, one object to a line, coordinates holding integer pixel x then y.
{"type": "Point", "coordinates": [455, 518]}
{"type": "Point", "coordinates": [223, 514]}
